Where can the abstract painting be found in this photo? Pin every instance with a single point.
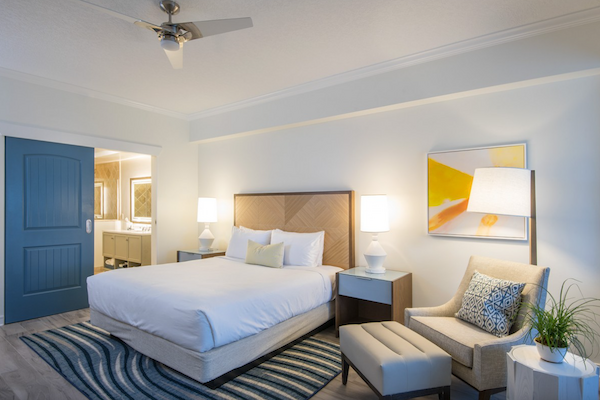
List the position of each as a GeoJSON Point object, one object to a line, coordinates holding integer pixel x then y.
{"type": "Point", "coordinates": [450, 175]}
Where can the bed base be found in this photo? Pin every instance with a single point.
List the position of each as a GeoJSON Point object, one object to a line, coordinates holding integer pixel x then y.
{"type": "Point", "coordinates": [219, 365]}
{"type": "Point", "coordinates": [217, 382]}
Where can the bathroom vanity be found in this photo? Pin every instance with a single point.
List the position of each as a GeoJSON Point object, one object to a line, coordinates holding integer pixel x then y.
{"type": "Point", "coordinates": [126, 248]}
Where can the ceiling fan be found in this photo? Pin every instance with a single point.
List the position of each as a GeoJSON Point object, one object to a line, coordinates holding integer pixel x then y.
{"type": "Point", "coordinates": [172, 35]}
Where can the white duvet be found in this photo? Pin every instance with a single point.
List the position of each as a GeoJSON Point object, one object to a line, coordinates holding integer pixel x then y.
{"type": "Point", "coordinates": [203, 304]}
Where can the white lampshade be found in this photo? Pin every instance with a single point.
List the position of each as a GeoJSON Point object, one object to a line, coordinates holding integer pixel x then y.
{"type": "Point", "coordinates": [207, 209]}
{"type": "Point", "coordinates": [501, 191]}
{"type": "Point", "coordinates": [374, 213]}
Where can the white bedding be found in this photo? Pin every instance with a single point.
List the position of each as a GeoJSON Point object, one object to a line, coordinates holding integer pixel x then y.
{"type": "Point", "coordinates": [203, 304]}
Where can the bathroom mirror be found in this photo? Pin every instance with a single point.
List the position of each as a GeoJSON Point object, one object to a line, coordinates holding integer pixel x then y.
{"type": "Point", "coordinates": [98, 200]}
{"type": "Point", "coordinates": [141, 200]}
{"type": "Point", "coordinates": [106, 178]}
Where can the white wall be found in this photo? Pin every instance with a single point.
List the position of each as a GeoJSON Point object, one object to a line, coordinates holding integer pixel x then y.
{"type": "Point", "coordinates": [386, 153]}
{"type": "Point", "coordinates": [97, 123]}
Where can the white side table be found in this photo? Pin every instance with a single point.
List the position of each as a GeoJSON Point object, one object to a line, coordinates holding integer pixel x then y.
{"type": "Point", "coordinates": [531, 378]}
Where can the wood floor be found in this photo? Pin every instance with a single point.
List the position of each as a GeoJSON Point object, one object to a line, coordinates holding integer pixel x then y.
{"type": "Point", "coordinates": [25, 376]}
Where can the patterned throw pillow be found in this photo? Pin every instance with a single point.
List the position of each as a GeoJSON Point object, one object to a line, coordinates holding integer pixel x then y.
{"type": "Point", "coordinates": [491, 304]}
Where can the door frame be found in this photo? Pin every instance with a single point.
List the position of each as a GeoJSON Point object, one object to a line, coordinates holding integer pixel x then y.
{"type": "Point", "coordinates": [43, 134]}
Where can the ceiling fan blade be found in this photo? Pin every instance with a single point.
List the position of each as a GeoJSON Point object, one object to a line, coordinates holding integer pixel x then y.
{"type": "Point", "coordinates": [148, 25]}
{"type": "Point", "coordinates": [124, 17]}
{"type": "Point", "coordinates": [200, 29]}
{"type": "Point", "coordinates": [176, 57]}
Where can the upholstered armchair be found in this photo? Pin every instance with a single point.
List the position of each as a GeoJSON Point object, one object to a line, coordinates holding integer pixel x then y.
{"type": "Point", "coordinates": [479, 357]}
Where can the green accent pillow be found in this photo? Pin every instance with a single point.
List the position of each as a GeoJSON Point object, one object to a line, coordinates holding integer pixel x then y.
{"type": "Point", "coordinates": [270, 255]}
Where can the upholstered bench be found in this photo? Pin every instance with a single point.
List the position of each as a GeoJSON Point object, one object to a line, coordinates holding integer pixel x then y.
{"type": "Point", "coordinates": [394, 361]}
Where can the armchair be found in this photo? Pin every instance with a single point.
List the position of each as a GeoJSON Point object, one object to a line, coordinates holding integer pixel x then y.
{"type": "Point", "coordinates": [478, 357]}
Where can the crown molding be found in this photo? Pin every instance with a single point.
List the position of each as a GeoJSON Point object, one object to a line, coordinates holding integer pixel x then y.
{"type": "Point", "coordinates": [509, 35]}
{"type": "Point", "coordinates": [67, 87]}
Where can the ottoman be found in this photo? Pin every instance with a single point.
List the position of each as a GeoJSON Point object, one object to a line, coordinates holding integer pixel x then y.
{"type": "Point", "coordinates": [394, 361]}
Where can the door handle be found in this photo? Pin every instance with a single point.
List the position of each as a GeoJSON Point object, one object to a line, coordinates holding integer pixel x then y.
{"type": "Point", "coordinates": [88, 226]}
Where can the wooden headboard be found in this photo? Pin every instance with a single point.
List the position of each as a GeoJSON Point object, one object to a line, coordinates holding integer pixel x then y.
{"type": "Point", "coordinates": [332, 212]}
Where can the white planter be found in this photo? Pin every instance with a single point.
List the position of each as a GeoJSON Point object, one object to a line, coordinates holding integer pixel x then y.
{"type": "Point", "coordinates": [557, 356]}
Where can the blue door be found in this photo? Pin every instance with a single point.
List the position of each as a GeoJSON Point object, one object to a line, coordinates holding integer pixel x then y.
{"type": "Point", "coordinates": [49, 253]}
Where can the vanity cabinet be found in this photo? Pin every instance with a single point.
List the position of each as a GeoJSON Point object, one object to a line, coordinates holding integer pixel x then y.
{"type": "Point", "coordinates": [130, 249]}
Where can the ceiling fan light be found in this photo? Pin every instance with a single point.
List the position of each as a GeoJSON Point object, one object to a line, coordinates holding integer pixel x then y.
{"type": "Point", "coordinates": [169, 43]}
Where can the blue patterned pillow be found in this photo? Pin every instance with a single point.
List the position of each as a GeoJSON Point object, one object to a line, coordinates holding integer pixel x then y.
{"type": "Point", "coordinates": [491, 304]}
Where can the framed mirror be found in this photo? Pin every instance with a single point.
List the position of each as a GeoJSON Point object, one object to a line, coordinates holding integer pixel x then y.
{"type": "Point", "coordinates": [98, 200]}
{"type": "Point", "coordinates": [141, 200]}
{"type": "Point", "coordinates": [107, 183]}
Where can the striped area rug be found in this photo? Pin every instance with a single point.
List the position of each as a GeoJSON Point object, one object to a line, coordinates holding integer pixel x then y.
{"type": "Point", "coordinates": [105, 368]}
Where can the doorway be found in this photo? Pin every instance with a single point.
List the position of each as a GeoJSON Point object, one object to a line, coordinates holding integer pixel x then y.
{"type": "Point", "coordinates": [57, 207]}
{"type": "Point", "coordinates": [122, 207]}
{"type": "Point", "coordinates": [60, 137]}
{"type": "Point", "coordinates": [48, 227]}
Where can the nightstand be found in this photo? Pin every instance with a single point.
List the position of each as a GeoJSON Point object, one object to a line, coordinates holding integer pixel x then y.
{"type": "Point", "coordinates": [187, 255]}
{"type": "Point", "coordinates": [363, 297]}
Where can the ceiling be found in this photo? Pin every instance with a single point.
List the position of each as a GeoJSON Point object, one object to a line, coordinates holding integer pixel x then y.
{"type": "Point", "coordinates": [292, 42]}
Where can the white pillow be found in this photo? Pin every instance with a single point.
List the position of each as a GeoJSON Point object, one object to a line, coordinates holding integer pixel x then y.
{"type": "Point", "coordinates": [303, 249]}
{"type": "Point", "coordinates": [238, 244]}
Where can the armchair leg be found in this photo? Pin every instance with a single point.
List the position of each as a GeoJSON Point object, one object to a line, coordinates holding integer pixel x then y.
{"type": "Point", "coordinates": [345, 369]}
{"type": "Point", "coordinates": [486, 394]}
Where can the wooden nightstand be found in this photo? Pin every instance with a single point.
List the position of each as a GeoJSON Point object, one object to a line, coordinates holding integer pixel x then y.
{"type": "Point", "coordinates": [363, 297]}
{"type": "Point", "coordinates": [187, 255]}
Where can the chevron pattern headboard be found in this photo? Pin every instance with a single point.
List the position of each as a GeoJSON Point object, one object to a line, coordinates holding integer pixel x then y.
{"type": "Point", "coordinates": [332, 212]}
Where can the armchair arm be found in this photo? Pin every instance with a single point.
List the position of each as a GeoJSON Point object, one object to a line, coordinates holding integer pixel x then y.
{"type": "Point", "coordinates": [445, 310]}
{"type": "Point", "coordinates": [489, 359]}
{"type": "Point", "coordinates": [514, 339]}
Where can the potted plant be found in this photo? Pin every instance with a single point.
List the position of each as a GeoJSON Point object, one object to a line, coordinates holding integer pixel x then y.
{"type": "Point", "coordinates": [563, 323]}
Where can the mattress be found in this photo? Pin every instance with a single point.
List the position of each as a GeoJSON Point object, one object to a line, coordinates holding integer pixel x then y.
{"type": "Point", "coordinates": [203, 304]}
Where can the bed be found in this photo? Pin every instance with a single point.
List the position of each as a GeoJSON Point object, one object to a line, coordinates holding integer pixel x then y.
{"type": "Point", "coordinates": [175, 313]}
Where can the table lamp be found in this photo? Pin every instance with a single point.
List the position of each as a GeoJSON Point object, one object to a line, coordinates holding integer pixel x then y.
{"type": "Point", "coordinates": [506, 191]}
{"type": "Point", "coordinates": [207, 213]}
{"type": "Point", "coordinates": [374, 218]}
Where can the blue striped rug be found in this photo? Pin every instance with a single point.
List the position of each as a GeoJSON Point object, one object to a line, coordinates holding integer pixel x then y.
{"type": "Point", "coordinates": [104, 368]}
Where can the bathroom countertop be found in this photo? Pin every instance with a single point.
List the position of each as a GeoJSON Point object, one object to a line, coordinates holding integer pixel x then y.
{"type": "Point", "coordinates": [132, 232]}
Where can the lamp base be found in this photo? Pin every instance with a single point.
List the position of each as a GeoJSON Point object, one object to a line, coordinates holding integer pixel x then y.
{"type": "Point", "coordinates": [375, 256]}
{"type": "Point", "coordinates": [205, 244]}
{"type": "Point", "coordinates": [375, 264]}
{"type": "Point", "coordinates": [206, 239]}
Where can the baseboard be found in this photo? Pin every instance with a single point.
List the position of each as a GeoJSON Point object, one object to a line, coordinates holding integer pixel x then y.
{"type": "Point", "coordinates": [1, 320]}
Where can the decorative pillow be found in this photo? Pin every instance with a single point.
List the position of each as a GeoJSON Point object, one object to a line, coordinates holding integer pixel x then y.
{"type": "Point", "coordinates": [238, 244]}
{"type": "Point", "coordinates": [491, 304]}
{"type": "Point", "coordinates": [269, 255]}
{"type": "Point", "coordinates": [302, 249]}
